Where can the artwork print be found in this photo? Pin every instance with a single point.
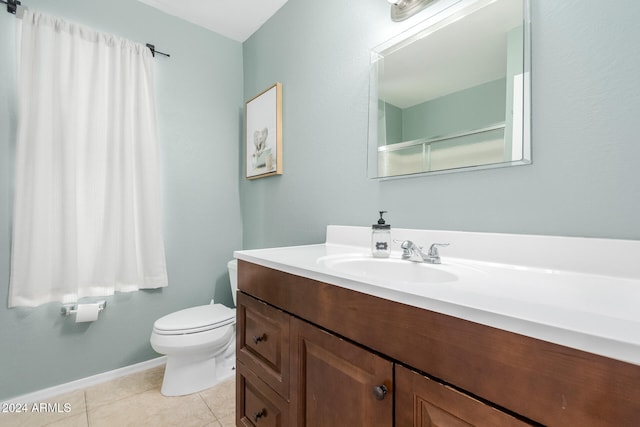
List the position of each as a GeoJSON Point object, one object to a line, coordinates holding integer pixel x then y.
{"type": "Point", "coordinates": [264, 133]}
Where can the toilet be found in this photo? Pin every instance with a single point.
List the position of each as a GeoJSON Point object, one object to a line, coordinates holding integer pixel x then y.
{"type": "Point", "coordinates": [199, 343]}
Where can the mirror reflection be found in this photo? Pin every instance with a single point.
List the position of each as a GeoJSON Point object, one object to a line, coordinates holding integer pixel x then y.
{"type": "Point", "coordinates": [454, 94]}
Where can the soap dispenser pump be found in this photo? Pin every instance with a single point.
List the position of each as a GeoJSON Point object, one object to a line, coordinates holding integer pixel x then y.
{"type": "Point", "coordinates": [381, 238]}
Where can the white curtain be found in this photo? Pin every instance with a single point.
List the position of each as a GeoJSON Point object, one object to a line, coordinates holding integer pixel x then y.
{"type": "Point", "coordinates": [87, 207]}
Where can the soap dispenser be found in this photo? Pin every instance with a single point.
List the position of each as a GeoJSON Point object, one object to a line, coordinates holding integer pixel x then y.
{"type": "Point", "coordinates": [381, 238]}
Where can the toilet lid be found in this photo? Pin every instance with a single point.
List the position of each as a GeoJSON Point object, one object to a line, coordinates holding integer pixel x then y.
{"type": "Point", "coordinates": [195, 319]}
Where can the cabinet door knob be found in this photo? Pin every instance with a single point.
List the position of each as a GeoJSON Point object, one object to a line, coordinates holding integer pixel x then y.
{"type": "Point", "coordinates": [259, 415]}
{"type": "Point", "coordinates": [380, 391]}
{"type": "Point", "coordinates": [257, 339]}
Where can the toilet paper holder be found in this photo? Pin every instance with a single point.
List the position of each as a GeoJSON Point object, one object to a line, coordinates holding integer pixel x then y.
{"type": "Point", "coordinates": [68, 309]}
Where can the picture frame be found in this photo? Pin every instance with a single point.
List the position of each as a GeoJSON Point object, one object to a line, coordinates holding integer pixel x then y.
{"type": "Point", "coordinates": [263, 142]}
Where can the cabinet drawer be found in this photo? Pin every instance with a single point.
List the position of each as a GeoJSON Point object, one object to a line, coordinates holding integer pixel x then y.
{"type": "Point", "coordinates": [422, 402]}
{"type": "Point", "coordinates": [263, 342]}
{"type": "Point", "coordinates": [257, 404]}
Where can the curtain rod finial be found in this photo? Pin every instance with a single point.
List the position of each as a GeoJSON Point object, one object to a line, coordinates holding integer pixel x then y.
{"type": "Point", "coordinates": [152, 48]}
{"type": "Point", "coordinates": [12, 5]}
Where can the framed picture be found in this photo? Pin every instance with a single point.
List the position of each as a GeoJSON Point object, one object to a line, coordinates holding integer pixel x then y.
{"type": "Point", "coordinates": [263, 115]}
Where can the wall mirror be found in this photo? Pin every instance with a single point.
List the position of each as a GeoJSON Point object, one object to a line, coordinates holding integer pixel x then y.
{"type": "Point", "coordinates": [453, 93]}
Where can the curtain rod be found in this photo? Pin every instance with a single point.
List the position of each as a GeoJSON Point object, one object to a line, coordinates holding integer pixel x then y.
{"type": "Point", "coordinates": [153, 50]}
{"type": "Point", "coordinates": [12, 7]}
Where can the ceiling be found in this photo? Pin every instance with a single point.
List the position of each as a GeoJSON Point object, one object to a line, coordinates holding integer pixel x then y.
{"type": "Point", "coordinates": [235, 19]}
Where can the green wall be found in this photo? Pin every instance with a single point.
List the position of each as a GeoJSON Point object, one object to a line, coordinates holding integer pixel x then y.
{"type": "Point", "coordinates": [585, 109]}
{"type": "Point", "coordinates": [199, 97]}
{"type": "Point", "coordinates": [466, 110]}
{"type": "Point", "coordinates": [472, 108]}
{"type": "Point", "coordinates": [389, 123]}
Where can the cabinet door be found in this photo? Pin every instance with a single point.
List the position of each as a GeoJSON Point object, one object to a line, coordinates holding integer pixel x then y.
{"type": "Point", "coordinates": [337, 383]}
{"type": "Point", "coordinates": [422, 402]}
{"type": "Point", "coordinates": [263, 342]}
{"type": "Point", "coordinates": [257, 405]}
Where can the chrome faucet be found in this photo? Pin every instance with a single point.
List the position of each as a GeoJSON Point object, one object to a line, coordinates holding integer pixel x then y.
{"type": "Point", "coordinates": [413, 252]}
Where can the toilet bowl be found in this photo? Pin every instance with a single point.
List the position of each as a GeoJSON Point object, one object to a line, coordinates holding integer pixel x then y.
{"type": "Point", "coordinates": [199, 343]}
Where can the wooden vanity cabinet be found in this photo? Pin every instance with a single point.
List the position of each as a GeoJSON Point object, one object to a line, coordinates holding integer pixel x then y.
{"type": "Point", "coordinates": [331, 350]}
{"type": "Point", "coordinates": [291, 373]}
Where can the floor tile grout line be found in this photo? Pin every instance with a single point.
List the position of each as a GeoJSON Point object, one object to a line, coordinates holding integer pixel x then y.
{"type": "Point", "coordinates": [110, 402]}
{"type": "Point", "coordinates": [100, 405]}
{"type": "Point", "coordinates": [66, 417]}
{"type": "Point", "coordinates": [86, 408]}
{"type": "Point", "coordinates": [215, 417]}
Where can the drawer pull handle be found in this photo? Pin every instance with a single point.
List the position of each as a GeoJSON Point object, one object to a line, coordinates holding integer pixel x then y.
{"type": "Point", "coordinates": [259, 415]}
{"type": "Point", "coordinates": [259, 339]}
{"type": "Point", "coordinates": [380, 391]}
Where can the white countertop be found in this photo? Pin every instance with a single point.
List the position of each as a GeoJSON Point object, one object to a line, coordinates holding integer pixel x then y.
{"type": "Point", "coordinates": [596, 311]}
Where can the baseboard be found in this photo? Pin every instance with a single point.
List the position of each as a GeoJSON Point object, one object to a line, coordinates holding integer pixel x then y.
{"type": "Point", "coordinates": [48, 393]}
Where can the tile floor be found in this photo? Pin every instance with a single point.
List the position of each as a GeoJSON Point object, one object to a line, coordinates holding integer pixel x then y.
{"type": "Point", "coordinates": [133, 400]}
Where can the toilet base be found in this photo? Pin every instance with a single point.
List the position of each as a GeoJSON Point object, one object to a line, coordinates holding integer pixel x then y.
{"type": "Point", "coordinates": [191, 374]}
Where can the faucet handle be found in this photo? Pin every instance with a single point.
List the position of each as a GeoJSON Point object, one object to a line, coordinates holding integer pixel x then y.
{"type": "Point", "coordinates": [406, 248]}
{"type": "Point", "coordinates": [433, 249]}
{"type": "Point", "coordinates": [409, 249]}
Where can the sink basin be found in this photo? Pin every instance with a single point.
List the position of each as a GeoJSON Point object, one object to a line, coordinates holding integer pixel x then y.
{"type": "Point", "coordinates": [388, 269]}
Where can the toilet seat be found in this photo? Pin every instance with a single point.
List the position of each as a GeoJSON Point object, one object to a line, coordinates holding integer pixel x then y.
{"type": "Point", "coordinates": [195, 319]}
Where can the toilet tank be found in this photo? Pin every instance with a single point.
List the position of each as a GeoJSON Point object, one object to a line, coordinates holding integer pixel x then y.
{"type": "Point", "coordinates": [232, 266]}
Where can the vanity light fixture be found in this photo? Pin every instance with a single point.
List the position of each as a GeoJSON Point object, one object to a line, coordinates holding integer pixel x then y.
{"type": "Point", "coordinates": [403, 9]}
